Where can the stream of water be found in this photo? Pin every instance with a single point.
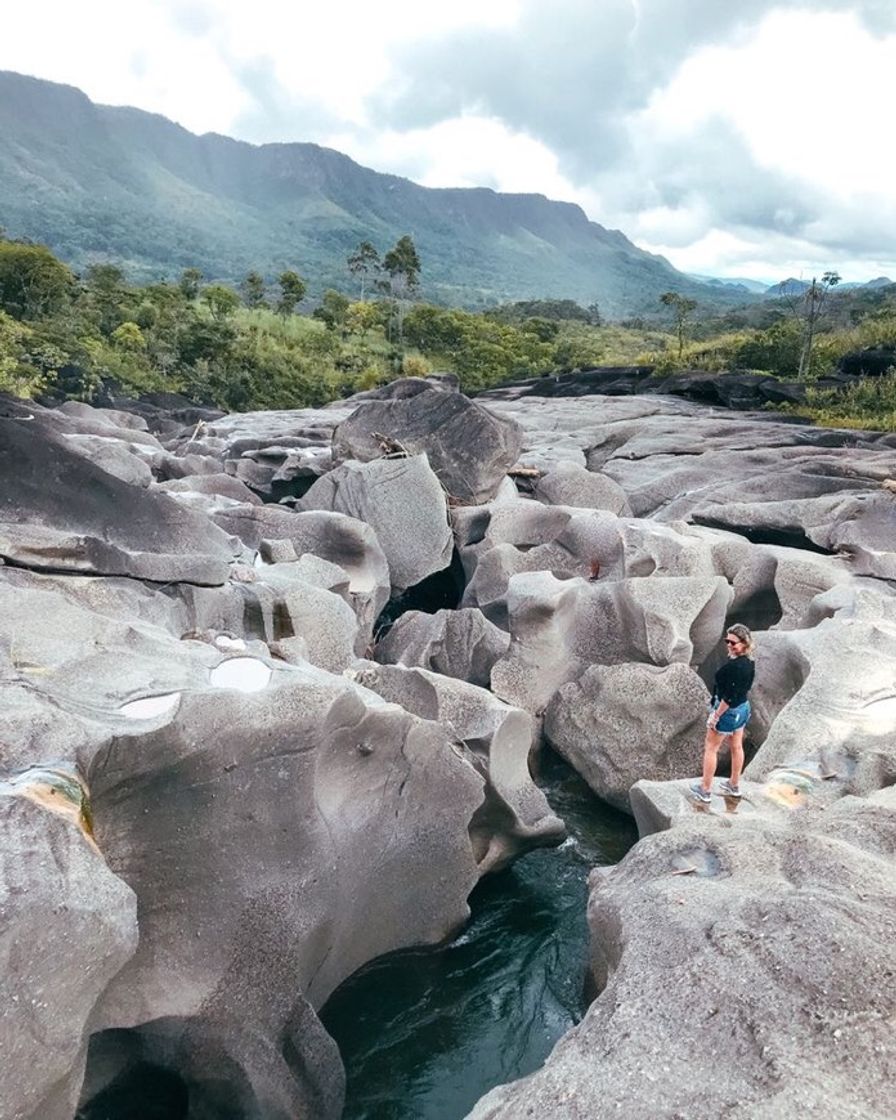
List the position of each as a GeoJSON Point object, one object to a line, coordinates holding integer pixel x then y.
{"type": "Point", "coordinates": [425, 1034]}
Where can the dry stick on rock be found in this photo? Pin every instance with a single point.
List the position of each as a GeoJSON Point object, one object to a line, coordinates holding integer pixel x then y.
{"type": "Point", "coordinates": [391, 448]}
{"type": "Point", "coordinates": [199, 427]}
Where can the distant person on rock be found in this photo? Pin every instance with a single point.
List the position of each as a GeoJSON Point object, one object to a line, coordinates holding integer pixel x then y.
{"type": "Point", "coordinates": [730, 711]}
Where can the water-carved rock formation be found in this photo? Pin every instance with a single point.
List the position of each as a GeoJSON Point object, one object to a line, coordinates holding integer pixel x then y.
{"type": "Point", "coordinates": [188, 650]}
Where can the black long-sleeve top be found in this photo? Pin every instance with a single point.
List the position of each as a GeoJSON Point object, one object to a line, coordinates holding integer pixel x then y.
{"type": "Point", "coordinates": [733, 681]}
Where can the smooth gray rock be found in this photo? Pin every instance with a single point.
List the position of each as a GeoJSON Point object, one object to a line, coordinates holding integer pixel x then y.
{"type": "Point", "coordinates": [844, 712]}
{"type": "Point", "coordinates": [342, 540]}
{"type": "Point", "coordinates": [402, 502]}
{"type": "Point", "coordinates": [115, 456]}
{"type": "Point", "coordinates": [560, 627]}
{"type": "Point", "coordinates": [68, 926]}
{"type": "Point", "coordinates": [215, 484]}
{"type": "Point", "coordinates": [58, 510]}
{"type": "Point", "coordinates": [723, 1011]}
{"type": "Point", "coordinates": [460, 643]}
{"type": "Point", "coordinates": [515, 814]}
{"type": "Point", "coordinates": [468, 446]}
{"type": "Point", "coordinates": [328, 808]}
{"type": "Point", "coordinates": [618, 724]}
{"type": "Point", "coordinates": [569, 484]}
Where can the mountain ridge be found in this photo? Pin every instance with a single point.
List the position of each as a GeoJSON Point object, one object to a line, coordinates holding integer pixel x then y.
{"type": "Point", "coordinates": [100, 182]}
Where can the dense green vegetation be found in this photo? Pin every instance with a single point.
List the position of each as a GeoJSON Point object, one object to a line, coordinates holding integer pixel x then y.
{"type": "Point", "coordinates": [264, 345]}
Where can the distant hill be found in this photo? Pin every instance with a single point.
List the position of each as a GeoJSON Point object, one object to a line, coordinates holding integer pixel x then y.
{"type": "Point", "coordinates": [793, 287]}
{"type": "Point", "coordinates": [877, 282]}
{"type": "Point", "coordinates": [755, 286]}
{"type": "Point", "coordinates": [101, 183]}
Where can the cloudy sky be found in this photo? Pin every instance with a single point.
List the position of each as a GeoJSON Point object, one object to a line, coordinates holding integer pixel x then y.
{"type": "Point", "coordinates": [750, 138]}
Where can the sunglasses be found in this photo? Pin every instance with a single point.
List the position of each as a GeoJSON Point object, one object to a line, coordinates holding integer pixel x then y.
{"type": "Point", "coordinates": [732, 642]}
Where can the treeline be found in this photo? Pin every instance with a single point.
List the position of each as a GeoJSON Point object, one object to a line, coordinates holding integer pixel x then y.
{"type": "Point", "coordinates": [260, 345]}
{"type": "Point", "coordinates": [256, 345]}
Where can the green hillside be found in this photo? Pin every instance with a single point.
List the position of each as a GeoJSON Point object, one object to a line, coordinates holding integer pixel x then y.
{"type": "Point", "coordinates": [99, 183]}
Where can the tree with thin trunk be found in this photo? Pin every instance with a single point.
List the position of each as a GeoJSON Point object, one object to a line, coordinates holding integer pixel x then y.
{"type": "Point", "coordinates": [253, 289]}
{"type": "Point", "coordinates": [402, 265]}
{"type": "Point", "coordinates": [365, 263]}
{"type": "Point", "coordinates": [682, 308]}
{"type": "Point", "coordinates": [292, 291]}
{"type": "Point", "coordinates": [808, 307]}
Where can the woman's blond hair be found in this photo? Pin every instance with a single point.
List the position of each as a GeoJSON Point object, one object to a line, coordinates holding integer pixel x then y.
{"type": "Point", "coordinates": [743, 634]}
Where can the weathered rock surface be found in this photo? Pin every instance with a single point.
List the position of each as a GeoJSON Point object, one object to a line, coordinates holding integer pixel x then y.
{"type": "Point", "coordinates": [460, 643]}
{"type": "Point", "coordinates": [740, 889]}
{"type": "Point", "coordinates": [68, 926]}
{"type": "Point", "coordinates": [468, 446]}
{"type": "Point", "coordinates": [329, 805]}
{"type": "Point", "coordinates": [342, 540]}
{"type": "Point", "coordinates": [560, 627]}
{"type": "Point", "coordinates": [191, 651]}
{"type": "Point", "coordinates": [568, 484]}
{"type": "Point", "coordinates": [499, 738]}
{"type": "Point", "coordinates": [58, 510]}
{"type": "Point", "coordinates": [617, 724]}
{"type": "Point", "coordinates": [403, 502]}
{"type": "Point", "coordinates": [713, 1002]}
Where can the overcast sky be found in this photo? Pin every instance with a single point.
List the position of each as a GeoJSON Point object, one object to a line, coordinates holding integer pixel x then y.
{"type": "Point", "coordinates": [750, 138]}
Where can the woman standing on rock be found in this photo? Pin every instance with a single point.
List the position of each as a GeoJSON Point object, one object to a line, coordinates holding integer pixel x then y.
{"type": "Point", "coordinates": [730, 712]}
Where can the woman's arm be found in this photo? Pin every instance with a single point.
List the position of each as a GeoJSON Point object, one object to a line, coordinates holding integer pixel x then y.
{"type": "Point", "coordinates": [716, 714]}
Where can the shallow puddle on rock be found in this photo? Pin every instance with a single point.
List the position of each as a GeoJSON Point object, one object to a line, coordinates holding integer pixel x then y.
{"type": "Point", "coordinates": [425, 1034]}
{"type": "Point", "coordinates": [245, 674]}
{"type": "Point", "coordinates": [150, 707]}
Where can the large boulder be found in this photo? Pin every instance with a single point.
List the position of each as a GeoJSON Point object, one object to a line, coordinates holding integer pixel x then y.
{"type": "Point", "coordinates": [746, 966]}
{"type": "Point", "coordinates": [569, 484]}
{"type": "Point", "coordinates": [68, 926]}
{"type": "Point", "coordinates": [844, 712]}
{"type": "Point", "coordinates": [618, 724]}
{"type": "Point", "coordinates": [498, 738]}
{"type": "Point", "coordinates": [561, 627]}
{"type": "Point", "coordinates": [343, 540]}
{"type": "Point", "coordinates": [501, 540]}
{"type": "Point", "coordinates": [460, 643]}
{"type": "Point", "coordinates": [251, 855]}
{"type": "Point", "coordinates": [403, 502]}
{"type": "Point", "coordinates": [469, 447]}
{"type": "Point", "coordinates": [58, 510]}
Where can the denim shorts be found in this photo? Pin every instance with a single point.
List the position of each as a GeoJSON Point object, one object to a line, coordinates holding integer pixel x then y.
{"type": "Point", "coordinates": [733, 719]}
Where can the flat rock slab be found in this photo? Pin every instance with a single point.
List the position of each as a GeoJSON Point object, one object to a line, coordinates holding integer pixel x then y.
{"type": "Point", "coordinates": [58, 510]}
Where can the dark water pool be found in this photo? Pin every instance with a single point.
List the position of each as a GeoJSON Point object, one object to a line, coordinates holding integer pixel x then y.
{"type": "Point", "coordinates": [424, 1035]}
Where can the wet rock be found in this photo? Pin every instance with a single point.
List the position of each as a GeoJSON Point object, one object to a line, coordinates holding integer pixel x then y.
{"type": "Point", "coordinates": [460, 643]}
{"type": "Point", "coordinates": [469, 448]}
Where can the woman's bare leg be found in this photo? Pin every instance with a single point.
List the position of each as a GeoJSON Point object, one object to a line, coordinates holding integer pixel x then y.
{"type": "Point", "coordinates": [710, 755]}
{"type": "Point", "coordinates": [737, 756]}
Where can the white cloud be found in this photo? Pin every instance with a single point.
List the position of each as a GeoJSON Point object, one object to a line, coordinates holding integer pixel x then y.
{"type": "Point", "coordinates": [727, 137]}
